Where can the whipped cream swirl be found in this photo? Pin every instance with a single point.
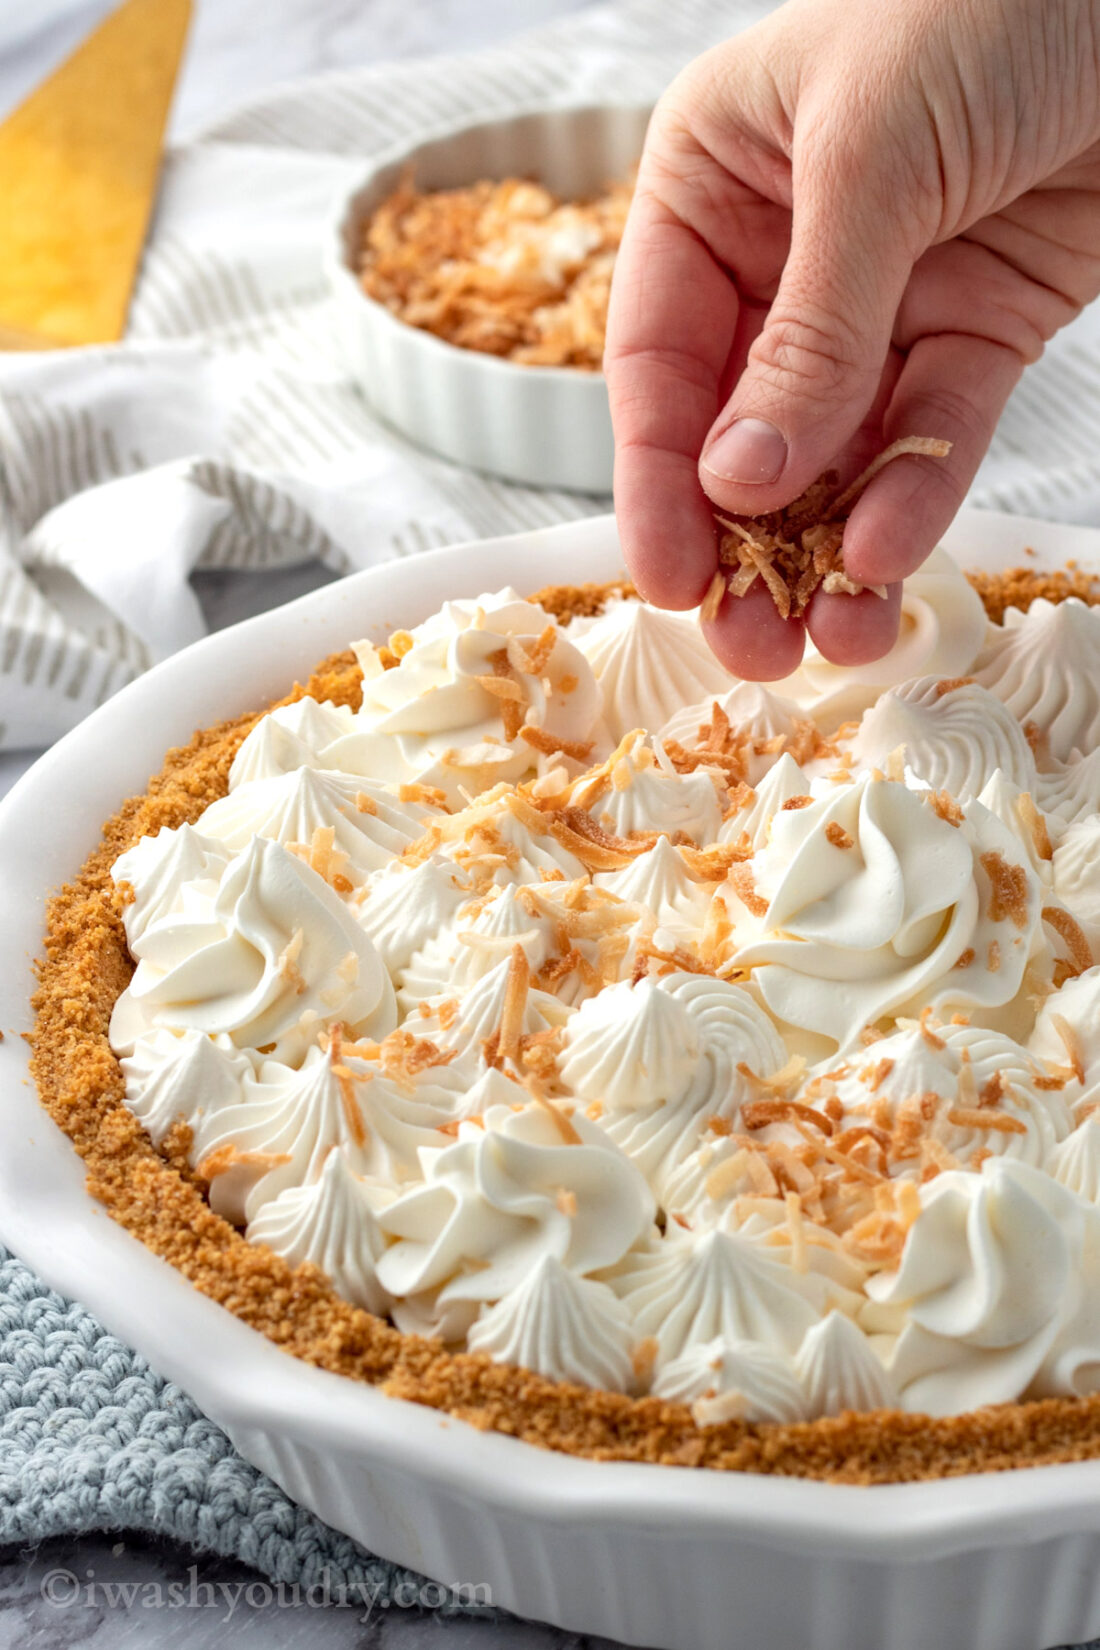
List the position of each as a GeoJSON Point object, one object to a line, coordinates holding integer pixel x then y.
{"type": "Point", "coordinates": [877, 905]}
{"type": "Point", "coordinates": [269, 957]}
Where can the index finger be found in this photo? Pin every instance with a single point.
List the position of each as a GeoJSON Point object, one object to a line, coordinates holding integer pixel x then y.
{"type": "Point", "coordinates": [670, 329]}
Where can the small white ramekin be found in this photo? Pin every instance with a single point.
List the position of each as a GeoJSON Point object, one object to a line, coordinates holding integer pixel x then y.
{"type": "Point", "coordinates": [545, 426]}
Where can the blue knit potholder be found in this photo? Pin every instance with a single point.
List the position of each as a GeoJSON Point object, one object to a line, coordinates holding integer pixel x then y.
{"type": "Point", "coordinates": [92, 1440]}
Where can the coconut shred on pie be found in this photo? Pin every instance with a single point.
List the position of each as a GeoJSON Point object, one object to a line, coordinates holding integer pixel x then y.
{"type": "Point", "coordinates": [568, 1002]}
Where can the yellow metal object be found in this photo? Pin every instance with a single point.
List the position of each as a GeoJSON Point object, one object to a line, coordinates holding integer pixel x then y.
{"type": "Point", "coordinates": [79, 161]}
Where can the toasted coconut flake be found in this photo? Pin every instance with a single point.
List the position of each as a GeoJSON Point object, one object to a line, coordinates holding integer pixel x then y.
{"type": "Point", "coordinates": [430, 795]}
{"type": "Point", "coordinates": [554, 1112]}
{"type": "Point", "coordinates": [230, 1156]}
{"type": "Point", "coordinates": [322, 856]}
{"type": "Point", "coordinates": [743, 796]}
{"type": "Point", "coordinates": [1035, 825]}
{"type": "Point", "coordinates": [789, 1169]}
{"type": "Point", "coordinates": [535, 661]}
{"type": "Point", "coordinates": [838, 836]}
{"type": "Point", "coordinates": [714, 735]}
{"type": "Point", "coordinates": [1008, 889]}
{"type": "Point", "coordinates": [515, 1004]}
{"type": "Point", "coordinates": [994, 1090]}
{"type": "Point", "coordinates": [729, 764]}
{"type": "Point", "coordinates": [346, 1080]}
{"type": "Point", "coordinates": [403, 1056]}
{"type": "Point", "coordinates": [907, 1203]}
{"type": "Point", "coordinates": [970, 1117]}
{"type": "Point", "coordinates": [597, 849]}
{"type": "Point", "coordinates": [879, 1074]}
{"type": "Point", "coordinates": [895, 765]}
{"type": "Point", "coordinates": [1069, 930]}
{"type": "Point", "coordinates": [837, 583]}
{"type": "Point", "coordinates": [797, 1233]}
{"type": "Point", "coordinates": [1072, 1045]}
{"type": "Point", "coordinates": [920, 446]}
{"type": "Point", "coordinates": [644, 1359]}
{"type": "Point", "coordinates": [494, 942]}
{"type": "Point", "coordinates": [714, 597]}
{"type": "Point", "coordinates": [758, 1114]}
{"type": "Point", "coordinates": [548, 745]}
{"type": "Point", "coordinates": [590, 786]}
{"type": "Point", "coordinates": [668, 960]}
{"type": "Point", "coordinates": [728, 1175]}
{"type": "Point", "coordinates": [862, 1135]}
{"type": "Point", "coordinates": [780, 1082]}
{"type": "Point", "coordinates": [622, 777]}
{"type": "Point", "coordinates": [286, 964]}
{"type": "Point", "coordinates": [851, 1165]}
{"type": "Point", "coordinates": [935, 1159]}
{"type": "Point", "coordinates": [502, 687]}
{"type": "Point", "coordinates": [930, 1037]}
{"type": "Point", "coordinates": [713, 863]}
{"type": "Point", "coordinates": [743, 883]}
{"type": "Point", "coordinates": [761, 1174]}
{"type": "Point", "coordinates": [538, 1053]}
{"type": "Point", "coordinates": [743, 580]}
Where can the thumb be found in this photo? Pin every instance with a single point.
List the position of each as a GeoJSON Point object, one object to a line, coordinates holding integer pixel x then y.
{"type": "Point", "coordinates": [813, 371]}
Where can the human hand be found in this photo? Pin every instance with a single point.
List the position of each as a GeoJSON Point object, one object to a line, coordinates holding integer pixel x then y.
{"type": "Point", "coordinates": [855, 222]}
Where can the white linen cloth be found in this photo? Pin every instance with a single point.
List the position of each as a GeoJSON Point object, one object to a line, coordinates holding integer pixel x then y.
{"type": "Point", "coordinates": [224, 431]}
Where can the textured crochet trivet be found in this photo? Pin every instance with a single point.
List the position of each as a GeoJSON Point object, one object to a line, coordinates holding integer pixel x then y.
{"type": "Point", "coordinates": [91, 1439]}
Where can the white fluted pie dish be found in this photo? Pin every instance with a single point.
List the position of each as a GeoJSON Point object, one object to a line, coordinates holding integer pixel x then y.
{"type": "Point", "coordinates": [651, 1555]}
{"type": "Point", "coordinates": [544, 426]}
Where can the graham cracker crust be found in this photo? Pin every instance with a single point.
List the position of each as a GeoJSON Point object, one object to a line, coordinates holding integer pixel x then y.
{"type": "Point", "coordinates": [159, 1199]}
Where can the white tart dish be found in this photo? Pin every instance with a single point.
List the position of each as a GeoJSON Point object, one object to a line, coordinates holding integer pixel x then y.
{"type": "Point", "coordinates": [654, 1556]}
{"type": "Point", "coordinates": [545, 426]}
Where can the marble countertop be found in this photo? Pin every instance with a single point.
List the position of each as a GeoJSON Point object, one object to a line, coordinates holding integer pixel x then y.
{"type": "Point", "coordinates": [112, 1592]}
{"type": "Point", "coordinates": [241, 47]}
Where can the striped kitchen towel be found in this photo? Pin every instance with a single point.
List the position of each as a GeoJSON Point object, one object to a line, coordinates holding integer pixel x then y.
{"type": "Point", "coordinates": [224, 432]}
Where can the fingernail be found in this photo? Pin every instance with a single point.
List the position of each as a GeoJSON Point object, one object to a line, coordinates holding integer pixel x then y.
{"type": "Point", "coordinates": [751, 450]}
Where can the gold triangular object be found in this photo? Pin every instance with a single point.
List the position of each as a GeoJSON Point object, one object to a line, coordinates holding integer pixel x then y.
{"type": "Point", "coordinates": [79, 161]}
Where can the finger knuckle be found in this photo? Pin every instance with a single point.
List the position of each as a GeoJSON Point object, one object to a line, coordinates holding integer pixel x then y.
{"type": "Point", "coordinates": [798, 355]}
{"type": "Point", "coordinates": [951, 413]}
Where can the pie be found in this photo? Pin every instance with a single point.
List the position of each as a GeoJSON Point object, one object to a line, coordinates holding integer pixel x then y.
{"type": "Point", "coordinates": [530, 1019]}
